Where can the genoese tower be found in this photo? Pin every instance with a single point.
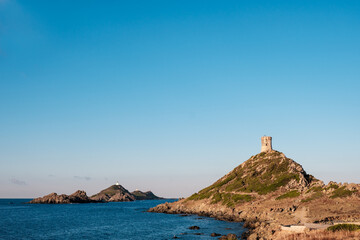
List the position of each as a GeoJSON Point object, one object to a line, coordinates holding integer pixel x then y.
{"type": "Point", "coordinates": [266, 145]}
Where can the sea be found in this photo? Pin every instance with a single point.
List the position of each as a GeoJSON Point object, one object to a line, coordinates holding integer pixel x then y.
{"type": "Point", "coordinates": [118, 220]}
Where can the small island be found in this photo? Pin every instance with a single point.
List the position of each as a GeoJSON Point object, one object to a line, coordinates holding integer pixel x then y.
{"type": "Point", "coordinates": [114, 193]}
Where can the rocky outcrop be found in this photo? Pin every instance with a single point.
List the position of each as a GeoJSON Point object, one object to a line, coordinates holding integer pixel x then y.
{"type": "Point", "coordinates": [139, 195]}
{"type": "Point", "coordinates": [114, 193]}
{"type": "Point", "coordinates": [267, 191]}
{"type": "Point", "coordinates": [53, 198]}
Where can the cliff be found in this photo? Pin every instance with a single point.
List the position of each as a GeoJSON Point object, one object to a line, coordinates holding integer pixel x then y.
{"type": "Point", "coordinates": [270, 190]}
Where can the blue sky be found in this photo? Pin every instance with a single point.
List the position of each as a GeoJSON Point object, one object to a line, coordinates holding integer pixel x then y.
{"type": "Point", "coordinates": [172, 95]}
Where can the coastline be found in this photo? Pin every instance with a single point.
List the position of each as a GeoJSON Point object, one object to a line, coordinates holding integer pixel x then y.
{"type": "Point", "coordinates": [217, 212]}
{"type": "Point", "coordinates": [276, 225]}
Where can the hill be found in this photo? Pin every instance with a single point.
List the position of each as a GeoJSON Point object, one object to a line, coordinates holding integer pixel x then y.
{"type": "Point", "coordinates": [114, 193]}
{"type": "Point", "coordinates": [262, 174]}
{"type": "Point", "coordinates": [139, 195]}
{"type": "Point", "coordinates": [267, 191]}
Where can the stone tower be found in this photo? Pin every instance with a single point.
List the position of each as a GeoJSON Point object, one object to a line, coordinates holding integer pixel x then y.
{"type": "Point", "coordinates": [266, 145]}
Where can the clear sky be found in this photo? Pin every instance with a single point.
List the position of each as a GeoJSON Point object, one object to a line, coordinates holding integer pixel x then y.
{"type": "Point", "coordinates": [169, 96]}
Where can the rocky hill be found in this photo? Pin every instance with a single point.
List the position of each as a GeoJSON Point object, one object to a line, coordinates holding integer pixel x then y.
{"type": "Point", "coordinates": [114, 193]}
{"type": "Point", "coordinates": [139, 195]}
{"type": "Point", "coordinates": [269, 190]}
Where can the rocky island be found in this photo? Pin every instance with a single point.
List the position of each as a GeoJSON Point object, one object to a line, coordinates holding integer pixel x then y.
{"type": "Point", "coordinates": [114, 193]}
{"type": "Point", "coordinates": [275, 198]}
{"type": "Point", "coordinates": [139, 195]}
{"type": "Point", "coordinates": [53, 198]}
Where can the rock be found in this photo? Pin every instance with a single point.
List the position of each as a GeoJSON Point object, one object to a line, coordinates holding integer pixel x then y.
{"type": "Point", "coordinates": [230, 236]}
{"type": "Point", "coordinates": [215, 234]}
{"type": "Point", "coordinates": [194, 227]}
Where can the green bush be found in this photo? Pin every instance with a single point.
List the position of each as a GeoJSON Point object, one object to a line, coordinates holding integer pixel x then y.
{"type": "Point", "coordinates": [216, 198]}
{"type": "Point", "coordinates": [334, 186]}
{"type": "Point", "coordinates": [344, 227]}
{"type": "Point", "coordinates": [290, 194]}
{"type": "Point", "coordinates": [342, 192]}
{"type": "Point", "coordinates": [242, 198]}
{"type": "Point", "coordinates": [315, 189]}
{"type": "Point", "coordinates": [316, 195]}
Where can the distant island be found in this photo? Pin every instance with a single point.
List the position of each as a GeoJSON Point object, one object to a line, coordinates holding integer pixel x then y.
{"type": "Point", "coordinates": [114, 193]}
{"type": "Point", "coordinates": [275, 198]}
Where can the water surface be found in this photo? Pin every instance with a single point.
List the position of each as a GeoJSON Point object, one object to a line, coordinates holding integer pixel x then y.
{"type": "Point", "coordinates": [122, 220]}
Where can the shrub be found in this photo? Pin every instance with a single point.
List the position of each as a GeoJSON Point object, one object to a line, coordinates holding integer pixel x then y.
{"type": "Point", "coordinates": [334, 186]}
{"type": "Point", "coordinates": [315, 189]}
{"type": "Point", "coordinates": [316, 195]}
{"type": "Point", "coordinates": [344, 227]}
{"type": "Point", "coordinates": [342, 192]}
{"type": "Point", "coordinates": [290, 194]}
{"type": "Point", "coordinates": [242, 198]}
{"type": "Point", "coordinates": [216, 198]}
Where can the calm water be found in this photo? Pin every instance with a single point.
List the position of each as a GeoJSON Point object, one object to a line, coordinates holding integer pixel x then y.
{"type": "Point", "coordinates": [124, 220]}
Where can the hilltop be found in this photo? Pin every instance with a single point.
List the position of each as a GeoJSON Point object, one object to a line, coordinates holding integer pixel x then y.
{"type": "Point", "coordinates": [114, 193]}
{"type": "Point", "coordinates": [267, 191]}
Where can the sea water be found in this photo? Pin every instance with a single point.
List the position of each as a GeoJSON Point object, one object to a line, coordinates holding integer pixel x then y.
{"type": "Point", "coordinates": [120, 220]}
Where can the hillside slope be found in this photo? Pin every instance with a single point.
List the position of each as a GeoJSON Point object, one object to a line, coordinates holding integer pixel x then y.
{"type": "Point", "coordinates": [262, 174]}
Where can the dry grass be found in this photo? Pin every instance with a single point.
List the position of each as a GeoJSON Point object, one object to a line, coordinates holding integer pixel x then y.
{"type": "Point", "coordinates": [320, 235]}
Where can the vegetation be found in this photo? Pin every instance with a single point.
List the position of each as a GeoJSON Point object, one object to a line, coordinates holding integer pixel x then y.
{"type": "Point", "coordinates": [315, 189]}
{"type": "Point", "coordinates": [321, 234]}
{"type": "Point", "coordinates": [290, 194]}
{"type": "Point", "coordinates": [217, 197]}
{"type": "Point", "coordinates": [242, 198]}
{"type": "Point", "coordinates": [344, 227]}
{"type": "Point", "coordinates": [200, 195]}
{"type": "Point", "coordinates": [342, 192]}
{"type": "Point", "coordinates": [262, 174]}
{"type": "Point", "coordinates": [332, 186]}
{"type": "Point", "coordinates": [316, 195]}
{"type": "Point", "coordinates": [230, 199]}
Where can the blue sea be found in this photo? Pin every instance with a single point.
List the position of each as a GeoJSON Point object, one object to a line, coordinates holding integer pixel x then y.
{"type": "Point", "coordinates": [122, 220]}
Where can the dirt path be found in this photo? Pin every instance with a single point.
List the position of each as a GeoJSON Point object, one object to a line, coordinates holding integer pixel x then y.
{"type": "Point", "coordinates": [301, 214]}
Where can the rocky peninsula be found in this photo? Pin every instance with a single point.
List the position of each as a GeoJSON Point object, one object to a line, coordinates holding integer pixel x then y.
{"type": "Point", "coordinates": [274, 197]}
